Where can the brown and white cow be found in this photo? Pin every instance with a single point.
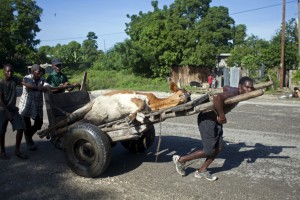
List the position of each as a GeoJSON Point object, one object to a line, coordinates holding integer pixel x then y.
{"type": "Point", "coordinates": [125, 103]}
{"type": "Point", "coordinates": [120, 104]}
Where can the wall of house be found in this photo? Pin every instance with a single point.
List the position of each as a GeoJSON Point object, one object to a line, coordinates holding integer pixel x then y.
{"type": "Point", "coordinates": [187, 74]}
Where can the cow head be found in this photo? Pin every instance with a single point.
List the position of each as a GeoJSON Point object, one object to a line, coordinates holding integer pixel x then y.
{"type": "Point", "coordinates": [181, 94]}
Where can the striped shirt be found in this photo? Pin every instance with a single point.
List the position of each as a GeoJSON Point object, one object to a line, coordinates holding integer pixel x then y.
{"type": "Point", "coordinates": [31, 101]}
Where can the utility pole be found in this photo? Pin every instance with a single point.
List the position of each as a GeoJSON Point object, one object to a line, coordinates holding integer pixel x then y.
{"type": "Point", "coordinates": [104, 46]}
{"type": "Point", "coordinates": [298, 26]}
{"type": "Point", "coordinates": [282, 44]}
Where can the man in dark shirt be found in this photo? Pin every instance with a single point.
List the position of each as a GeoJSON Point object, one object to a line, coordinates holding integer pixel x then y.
{"type": "Point", "coordinates": [57, 78]}
{"type": "Point", "coordinates": [9, 111]}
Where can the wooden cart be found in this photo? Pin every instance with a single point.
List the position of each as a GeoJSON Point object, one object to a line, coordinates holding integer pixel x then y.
{"type": "Point", "coordinates": [87, 147]}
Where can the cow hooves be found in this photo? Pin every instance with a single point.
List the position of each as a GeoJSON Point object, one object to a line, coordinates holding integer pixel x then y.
{"type": "Point", "coordinates": [128, 120]}
{"type": "Point", "coordinates": [140, 117]}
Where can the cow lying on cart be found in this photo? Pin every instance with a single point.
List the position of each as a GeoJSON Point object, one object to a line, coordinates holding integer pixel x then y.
{"type": "Point", "coordinates": [87, 145]}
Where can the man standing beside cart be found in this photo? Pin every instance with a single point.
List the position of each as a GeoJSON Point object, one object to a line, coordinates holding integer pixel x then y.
{"type": "Point", "coordinates": [31, 103]}
{"type": "Point", "coordinates": [211, 129]}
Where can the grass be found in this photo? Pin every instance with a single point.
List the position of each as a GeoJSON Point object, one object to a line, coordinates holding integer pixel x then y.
{"type": "Point", "coordinates": [99, 80]}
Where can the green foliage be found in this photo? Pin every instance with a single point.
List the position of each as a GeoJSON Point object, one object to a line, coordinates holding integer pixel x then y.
{"type": "Point", "coordinates": [73, 55]}
{"type": "Point", "coordinates": [16, 74]}
{"type": "Point", "coordinates": [89, 51]}
{"type": "Point", "coordinates": [249, 54]}
{"type": "Point", "coordinates": [239, 34]}
{"type": "Point", "coordinates": [216, 28]}
{"type": "Point", "coordinates": [111, 79]}
{"type": "Point", "coordinates": [237, 54]}
{"type": "Point", "coordinates": [18, 27]}
{"type": "Point", "coordinates": [42, 55]}
{"type": "Point", "coordinates": [296, 76]}
{"type": "Point", "coordinates": [254, 51]}
{"type": "Point", "coordinates": [189, 32]}
{"type": "Point", "coordinates": [252, 64]}
{"type": "Point", "coordinates": [291, 58]}
{"type": "Point", "coordinates": [92, 36]}
{"type": "Point", "coordinates": [112, 60]}
{"type": "Point", "coordinates": [272, 74]}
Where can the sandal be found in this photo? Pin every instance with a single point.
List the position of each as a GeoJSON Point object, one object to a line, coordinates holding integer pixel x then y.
{"type": "Point", "coordinates": [22, 156]}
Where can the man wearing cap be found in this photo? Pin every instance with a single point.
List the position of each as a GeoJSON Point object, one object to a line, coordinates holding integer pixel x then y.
{"type": "Point", "coordinates": [31, 103]}
{"type": "Point", "coordinates": [57, 78]}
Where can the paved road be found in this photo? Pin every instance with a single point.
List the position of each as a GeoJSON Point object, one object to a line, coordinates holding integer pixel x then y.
{"type": "Point", "coordinates": [261, 161]}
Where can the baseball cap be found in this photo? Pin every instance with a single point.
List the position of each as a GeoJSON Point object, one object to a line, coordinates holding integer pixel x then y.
{"type": "Point", "coordinates": [55, 61]}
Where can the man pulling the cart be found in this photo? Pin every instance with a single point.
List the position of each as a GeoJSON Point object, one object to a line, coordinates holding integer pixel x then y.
{"type": "Point", "coordinates": [210, 125]}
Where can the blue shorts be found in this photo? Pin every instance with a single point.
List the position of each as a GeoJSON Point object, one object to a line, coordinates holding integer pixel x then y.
{"type": "Point", "coordinates": [17, 123]}
{"type": "Point", "coordinates": [211, 133]}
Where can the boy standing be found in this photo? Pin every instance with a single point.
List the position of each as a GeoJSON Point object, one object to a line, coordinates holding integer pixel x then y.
{"type": "Point", "coordinates": [9, 112]}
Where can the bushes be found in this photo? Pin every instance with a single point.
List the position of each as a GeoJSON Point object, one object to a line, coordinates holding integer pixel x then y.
{"type": "Point", "coordinates": [296, 77]}
{"type": "Point", "coordinates": [272, 74]}
{"type": "Point", "coordinates": [111, 79]}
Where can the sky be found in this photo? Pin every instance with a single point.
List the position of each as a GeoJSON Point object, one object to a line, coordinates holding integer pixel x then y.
{"type": "Point", "coordinates": [63, 21]}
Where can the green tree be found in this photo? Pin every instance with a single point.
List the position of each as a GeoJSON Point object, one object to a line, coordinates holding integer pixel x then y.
{"type": "Point", "coordinates": [291, 58]}
{"type": "Point", "coordinates": [89, 50]}
{"type": "Point", "coordinates": [92, 36]}
{"type": "Point", "coordinates": [74, 51]}
{"type": "Point", "coordinates": [249, 53]}
{"type": "Point", "coordinates": [214, 35]}
{"type": "Point", "coordinates": [111, 60]}
{"type": "Point", "coordinates": [239, 34]}
{"type": "Point", "coordinates": [189, 32]}
{"type": "Point", "coordinates": [271, 56]}
{"type": "Point", "coordinates": [6, 19]}
{"type": "Point", "coordinates": [19, 25]}
{"type": "Point", "coordinates": [145, 46]}
{"type": "Point", "coordinates": [44, 54]}
{"type": "Point", "coordinates": [73, 54]}
{"type": "Point", "coordinates": [183, 34]}
{"type": "Point", "coordinates": [216, 28]}
{"type": "Point", "coordinates": [69, 54]}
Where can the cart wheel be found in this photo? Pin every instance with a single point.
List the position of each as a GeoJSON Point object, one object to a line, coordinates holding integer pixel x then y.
{"type": "Point", "coordinates": [143, 143]}
{"type": "Point", "coordinates": [87, 150]}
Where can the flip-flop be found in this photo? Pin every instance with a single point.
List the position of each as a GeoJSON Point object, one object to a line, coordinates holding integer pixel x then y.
{"type": "Point", "coordinates": [4, 157]}
{"type": "Point", "coordinates": [22, 156]}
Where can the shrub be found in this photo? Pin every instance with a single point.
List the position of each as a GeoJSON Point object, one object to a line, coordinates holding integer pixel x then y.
{"type": "Point", "coordinates": [111, 79]}
{"type": "Point", "coordinates": [272, 74]}
{"type": "Point", "coordinates": [296, 76]}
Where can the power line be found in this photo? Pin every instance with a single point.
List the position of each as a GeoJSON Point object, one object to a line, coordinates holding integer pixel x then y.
{"type": "Point", "coordinates": [74, 38]}
{"type": "Point", "coordinates": [279, 4]}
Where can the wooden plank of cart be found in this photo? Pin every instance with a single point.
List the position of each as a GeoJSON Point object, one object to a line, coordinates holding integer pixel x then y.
{"type": "Point", "coordinates": [87, 147]}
